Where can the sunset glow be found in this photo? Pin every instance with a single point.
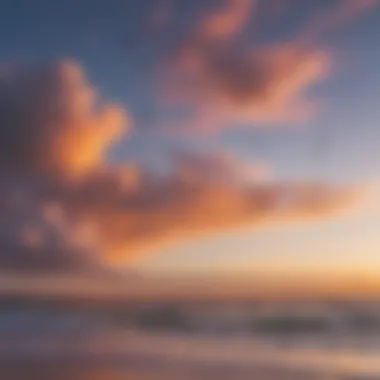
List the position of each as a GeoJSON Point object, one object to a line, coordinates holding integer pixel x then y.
{"type": "Point", "coordinates": [221, 160]}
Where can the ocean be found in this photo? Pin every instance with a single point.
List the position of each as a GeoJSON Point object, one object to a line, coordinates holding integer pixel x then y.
{"type": "Point", "coordinates": [225, 342]}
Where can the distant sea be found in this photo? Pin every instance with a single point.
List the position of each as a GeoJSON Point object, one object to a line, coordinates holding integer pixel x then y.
{"type": "Point", "coordinates": [324, 343]}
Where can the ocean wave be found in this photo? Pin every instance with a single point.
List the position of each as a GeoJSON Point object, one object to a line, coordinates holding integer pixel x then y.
{"type": "Point", "coordinates": [177, 351]}
{"type": "Point", "coordinates": [313, 345]}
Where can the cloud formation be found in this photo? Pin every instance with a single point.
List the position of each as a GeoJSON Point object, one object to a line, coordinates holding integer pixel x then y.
{"type": "Point", "coordinates": [221, 79]}
{"type": "Point", "coordinates": [53, 121]}
{"type": "Point", "coordinates": [63, 207]}
{"type": "Point", "coordinates": [37, 235]}
{"type": "Point", "coordinates": [266, 85]}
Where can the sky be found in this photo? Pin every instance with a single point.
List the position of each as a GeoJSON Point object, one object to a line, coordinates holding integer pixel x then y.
{"type": "Point", "coordinates": [202, 138]}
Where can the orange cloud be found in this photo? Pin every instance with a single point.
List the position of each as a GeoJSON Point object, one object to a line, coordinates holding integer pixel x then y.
{"type": "Point", "coordinates": [62, 207]}
{"type": "Point", "coordinates": [192, 203]}
{"type": "Point", "coordinates": [58, 122]}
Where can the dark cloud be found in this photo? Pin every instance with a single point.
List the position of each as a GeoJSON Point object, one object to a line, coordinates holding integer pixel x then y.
{"type": "Point", "coordinates": [52, 120]}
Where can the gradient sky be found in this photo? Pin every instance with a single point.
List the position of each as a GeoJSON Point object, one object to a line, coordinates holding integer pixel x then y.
{"type": "Point", "coordinates": [115, 42]}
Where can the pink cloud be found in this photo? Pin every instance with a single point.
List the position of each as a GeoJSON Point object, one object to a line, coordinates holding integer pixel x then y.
{"type": "Point", "coordinates": [267, 85]}
{"type": "Point", "coordinates": [223, 83]}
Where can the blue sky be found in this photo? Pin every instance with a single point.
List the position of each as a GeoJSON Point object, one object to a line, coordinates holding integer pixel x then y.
{"type": "Point", "coordinates": [97, 34]}
{"type": "Point", "coordinates": [341, 142]}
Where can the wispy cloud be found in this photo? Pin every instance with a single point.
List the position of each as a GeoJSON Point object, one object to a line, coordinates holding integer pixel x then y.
{"type": "Point", "coordinates": [223, 80]}
{"type": "Point", "coordinates": [266, 85]}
